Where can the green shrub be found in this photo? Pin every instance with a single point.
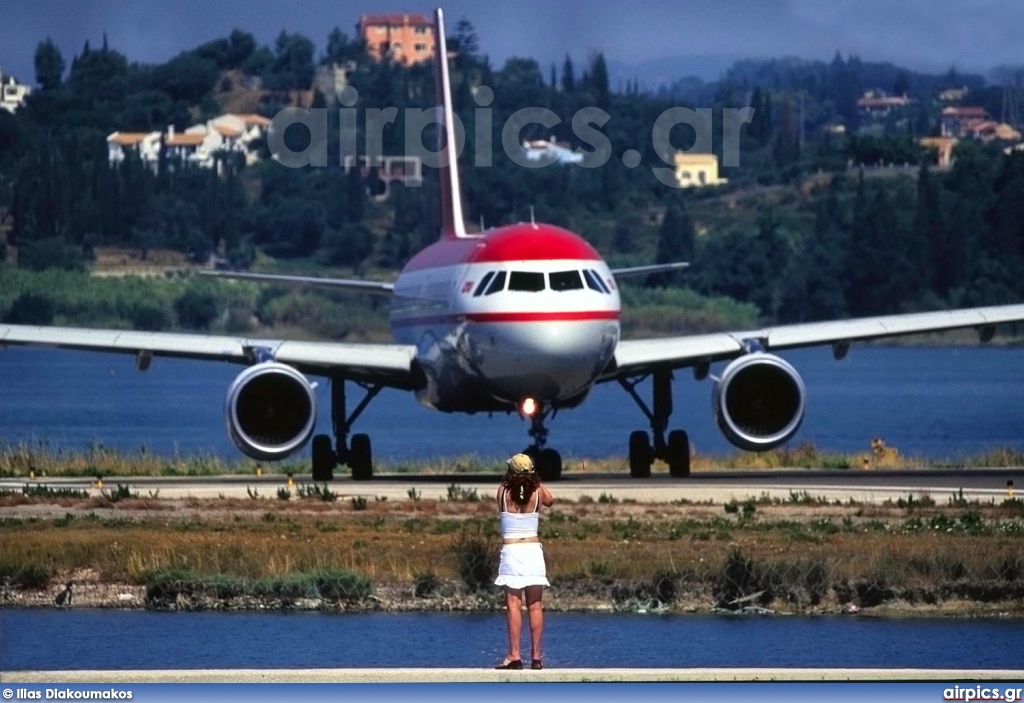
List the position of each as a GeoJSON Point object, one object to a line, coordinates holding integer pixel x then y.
{"type": "Point", "coordinates": [30, 309]}
{"type": "Point", "coordinates": [31, 576]}
{"type": "Point", "coordinates": [196, 310]}
{"type": "Point", "coordinates": [425, 584]}
{"type": "Point", "coordinates": [476, 559]}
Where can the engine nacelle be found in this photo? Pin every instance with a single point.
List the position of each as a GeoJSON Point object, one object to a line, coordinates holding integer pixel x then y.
{"type": "Point", "coordinates": [759, 401]}
{"type": "Point", "coordinates": [271, 411]}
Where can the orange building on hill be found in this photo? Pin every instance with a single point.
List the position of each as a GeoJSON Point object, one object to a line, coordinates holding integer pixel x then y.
{"type": "Point", "coordinates": [406, 38]}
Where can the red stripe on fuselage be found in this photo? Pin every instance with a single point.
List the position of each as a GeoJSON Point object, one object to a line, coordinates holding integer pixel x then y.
{"type": "Point", "coordinates": [565, 316]}
{"type": "Point", "coordinates": [521, 242]}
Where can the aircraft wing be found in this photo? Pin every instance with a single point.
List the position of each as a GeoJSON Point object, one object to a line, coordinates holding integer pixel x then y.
{"type": "Point", "coordinates": [387, 364]}
{"type": "Point", "coordinates": [647, 270]}
{"type": "Point", "coordinates": [633, 357]}
{"type": "Point", "coordinates": [375, 287]}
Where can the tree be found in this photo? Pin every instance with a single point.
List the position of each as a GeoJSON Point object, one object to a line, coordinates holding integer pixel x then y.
{"type": "Point", "coordinates": [241, 45]}
{"type": "Point", "coordinates": [822, 265]}
{"type": "Point", "coordinates": [967, 196]}
{"type": "Point", "coordinates": [30, 309]}
{"type": "Point", "coordinates": [568, 75]}
{"type": "Point", "coordinates": [340, 49]}
{"type": "Point", "coordinates": [599, 81]}
{"type": "Point", "coordinates": [466, 43]}
{"type": "Point", "coordinates": [187, 77]}
{"type": "Point", "coordinates": [901, 86]}
{"type": "Point", "coordinates": [293, 67]}
{"type": "Point", "coordinates": [876, 276]}
{"type": "Point", "coordinates": [49, 65]}
{"type": "Point", "coordinates": [925, 233]}
{"type": "Point", "coordinates": [675, 239]}
{"type": "Point", "coordinates": [773, 252]}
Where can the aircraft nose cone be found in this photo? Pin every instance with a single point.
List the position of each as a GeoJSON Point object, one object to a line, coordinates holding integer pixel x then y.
{"type": "Point", "coordinates": [548, 360]}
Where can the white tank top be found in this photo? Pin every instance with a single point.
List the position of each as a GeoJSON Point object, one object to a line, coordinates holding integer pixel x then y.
{"type": "Point", "coordinates": [516, 525]}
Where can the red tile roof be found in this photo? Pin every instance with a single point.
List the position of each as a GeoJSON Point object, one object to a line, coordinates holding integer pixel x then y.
{"type": "Point", "coordinates": [395, 19]}
{"type": "Point", "coordinates": [185, 139]}
{"type": "Point", "coordinates": [965, 111]}
{"type": "Point", "coordinates": [126, 138]}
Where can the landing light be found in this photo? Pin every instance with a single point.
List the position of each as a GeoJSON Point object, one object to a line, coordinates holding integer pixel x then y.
{"type": "Point", "coordinates": [528, 407]}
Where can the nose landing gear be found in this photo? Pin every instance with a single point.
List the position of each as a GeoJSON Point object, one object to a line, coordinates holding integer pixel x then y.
{"type": "Point", "coordinates": [547, 461]}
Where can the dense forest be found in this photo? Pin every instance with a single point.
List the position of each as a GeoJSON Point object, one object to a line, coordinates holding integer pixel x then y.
{"type": "Point", "coordinates": [808, 227]}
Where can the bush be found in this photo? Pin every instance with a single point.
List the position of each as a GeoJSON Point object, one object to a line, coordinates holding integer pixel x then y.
{"type": "Point", "coordinates": [739, 578]}
{"type": "Point", "coordinates": [30, 309]}
{"type": "Point", "coordinates": [334, 585]}
{"type": "Point", "coordinates": [50, 253]}
{"type": "Point", "coordinates": [477, 559]}
{"type": "Point", "coordinates": [425, 584]}
{"type": "Point", "coordinates": [150, 319]}
{"type": "Point", "coordinates": [196, 310]}
{"type": "Point", "coordinates": [31, 576]}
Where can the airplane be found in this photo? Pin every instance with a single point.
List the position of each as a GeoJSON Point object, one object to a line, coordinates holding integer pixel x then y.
{"type": "Point", "coordinates": [522, 318]}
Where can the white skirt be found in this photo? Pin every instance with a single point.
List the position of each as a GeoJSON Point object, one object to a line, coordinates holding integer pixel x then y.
{"type": "Point", "coordinates": [522, 565]}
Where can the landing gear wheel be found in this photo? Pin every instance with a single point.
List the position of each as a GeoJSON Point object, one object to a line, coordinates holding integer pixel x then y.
{"type": "Point", "coordinates": [549, 465]}
{"type": "Point", "coordinates": [360, 458]}
{"type": "Point", "coordinates": [324, 459]}
{"type": "Point", "coordinates": [534, 455]}
{"type": "Point", "coordinates": [678, 454]}
{"type": "Point", "coordinates": [640, 454]}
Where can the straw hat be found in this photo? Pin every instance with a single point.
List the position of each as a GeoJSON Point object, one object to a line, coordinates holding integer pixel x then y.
{"type": "Point", "coordinates": [521, 464]}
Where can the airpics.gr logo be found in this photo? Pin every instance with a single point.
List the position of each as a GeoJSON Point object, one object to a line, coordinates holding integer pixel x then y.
{"type": "Point", "coordinates": [982, 693]}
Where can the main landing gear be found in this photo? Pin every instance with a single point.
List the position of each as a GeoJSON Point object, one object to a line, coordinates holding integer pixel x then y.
{"type": "Point", "coordinates": [357, 454]}
{"type": "Point", "coordinates": [547, 461]}
{"type": "Point", "coordinates": [676, 450]}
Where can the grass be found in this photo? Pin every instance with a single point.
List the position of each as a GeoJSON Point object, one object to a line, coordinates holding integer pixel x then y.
{"type": "Point", "coordinates": [792, 551]}
{"type": "Point", "coordinates": [43, 459]}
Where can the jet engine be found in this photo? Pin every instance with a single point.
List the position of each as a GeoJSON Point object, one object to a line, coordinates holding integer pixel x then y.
{"type": "Point", "coordinates": [759, 401]}
{"type": "Point", "coordinates": [271, 411]}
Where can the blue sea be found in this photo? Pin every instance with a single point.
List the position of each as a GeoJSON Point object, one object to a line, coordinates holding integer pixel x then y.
{"type": "Point", "coordinates": [934, 402]}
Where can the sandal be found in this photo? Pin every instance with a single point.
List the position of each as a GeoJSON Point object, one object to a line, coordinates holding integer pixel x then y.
{"type": "Point", "coordinates": [510, 664]}
{"type": "Point", "coordinates": [537, 664]}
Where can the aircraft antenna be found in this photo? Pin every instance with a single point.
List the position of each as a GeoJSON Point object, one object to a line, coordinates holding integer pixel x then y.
{"type": "Point", "coordinates": [533, 221]}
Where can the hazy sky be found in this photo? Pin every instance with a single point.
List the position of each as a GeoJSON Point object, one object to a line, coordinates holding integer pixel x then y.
{"type": "Point", "coordinates": [928, 34]}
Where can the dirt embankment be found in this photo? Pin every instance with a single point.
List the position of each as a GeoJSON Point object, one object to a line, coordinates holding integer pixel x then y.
{"type": "Point", "coordinates": [800, 556]}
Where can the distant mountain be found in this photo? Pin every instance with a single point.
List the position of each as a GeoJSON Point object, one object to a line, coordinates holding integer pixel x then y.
{"type": "Point", "coordinates": [655, 73]}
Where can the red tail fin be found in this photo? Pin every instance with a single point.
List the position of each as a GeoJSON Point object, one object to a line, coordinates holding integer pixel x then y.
{"type": "Point", "coordinates": [452, 224]}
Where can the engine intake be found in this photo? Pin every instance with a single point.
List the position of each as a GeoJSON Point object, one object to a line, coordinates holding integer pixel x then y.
{"type": "Point", "coordinates": [759, 401]}
{"type": "Point", "coordinates": [271, 411]}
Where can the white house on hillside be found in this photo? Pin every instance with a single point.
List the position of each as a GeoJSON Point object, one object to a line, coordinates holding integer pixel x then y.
{"type": "Point", "coordinates": [200, 144]}
{"type": "Point", "coordinates": [551, 151]}
{"type": "Point", "coordinates": [12, 93]}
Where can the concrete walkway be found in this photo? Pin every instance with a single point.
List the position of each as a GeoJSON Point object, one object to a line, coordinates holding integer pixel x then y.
{"type": "Point", "coordinates": [491, 675]}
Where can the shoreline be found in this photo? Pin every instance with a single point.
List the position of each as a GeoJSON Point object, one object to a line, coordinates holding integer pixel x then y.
{"type": "Point", "coordinates": [797, 556]}
{"type": "Point", "coordinates": [574, 598]}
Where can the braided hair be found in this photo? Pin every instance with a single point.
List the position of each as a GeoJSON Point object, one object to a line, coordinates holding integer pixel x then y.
{"type": "Point", "coordinates": [520, 486]}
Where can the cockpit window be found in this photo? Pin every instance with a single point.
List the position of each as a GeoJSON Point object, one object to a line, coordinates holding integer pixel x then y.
{"type": "Point", "coordinates": [565, 280]}
{"type": "Point", "coordinates": [528, 281]}
{"type": "Point", "coordinates": [594, 281]}
{"type": "Point", "coordinates": [497, 285]}
{"type": "Point", "coordinates": [483, 284]}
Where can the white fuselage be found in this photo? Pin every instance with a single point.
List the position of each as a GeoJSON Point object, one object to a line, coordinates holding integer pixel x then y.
{"type": "Point", "coordinates": [491, 334]}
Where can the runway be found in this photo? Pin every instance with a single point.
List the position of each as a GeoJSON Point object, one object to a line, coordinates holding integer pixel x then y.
{"type": "Point", "coordinates": [862, 486]}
